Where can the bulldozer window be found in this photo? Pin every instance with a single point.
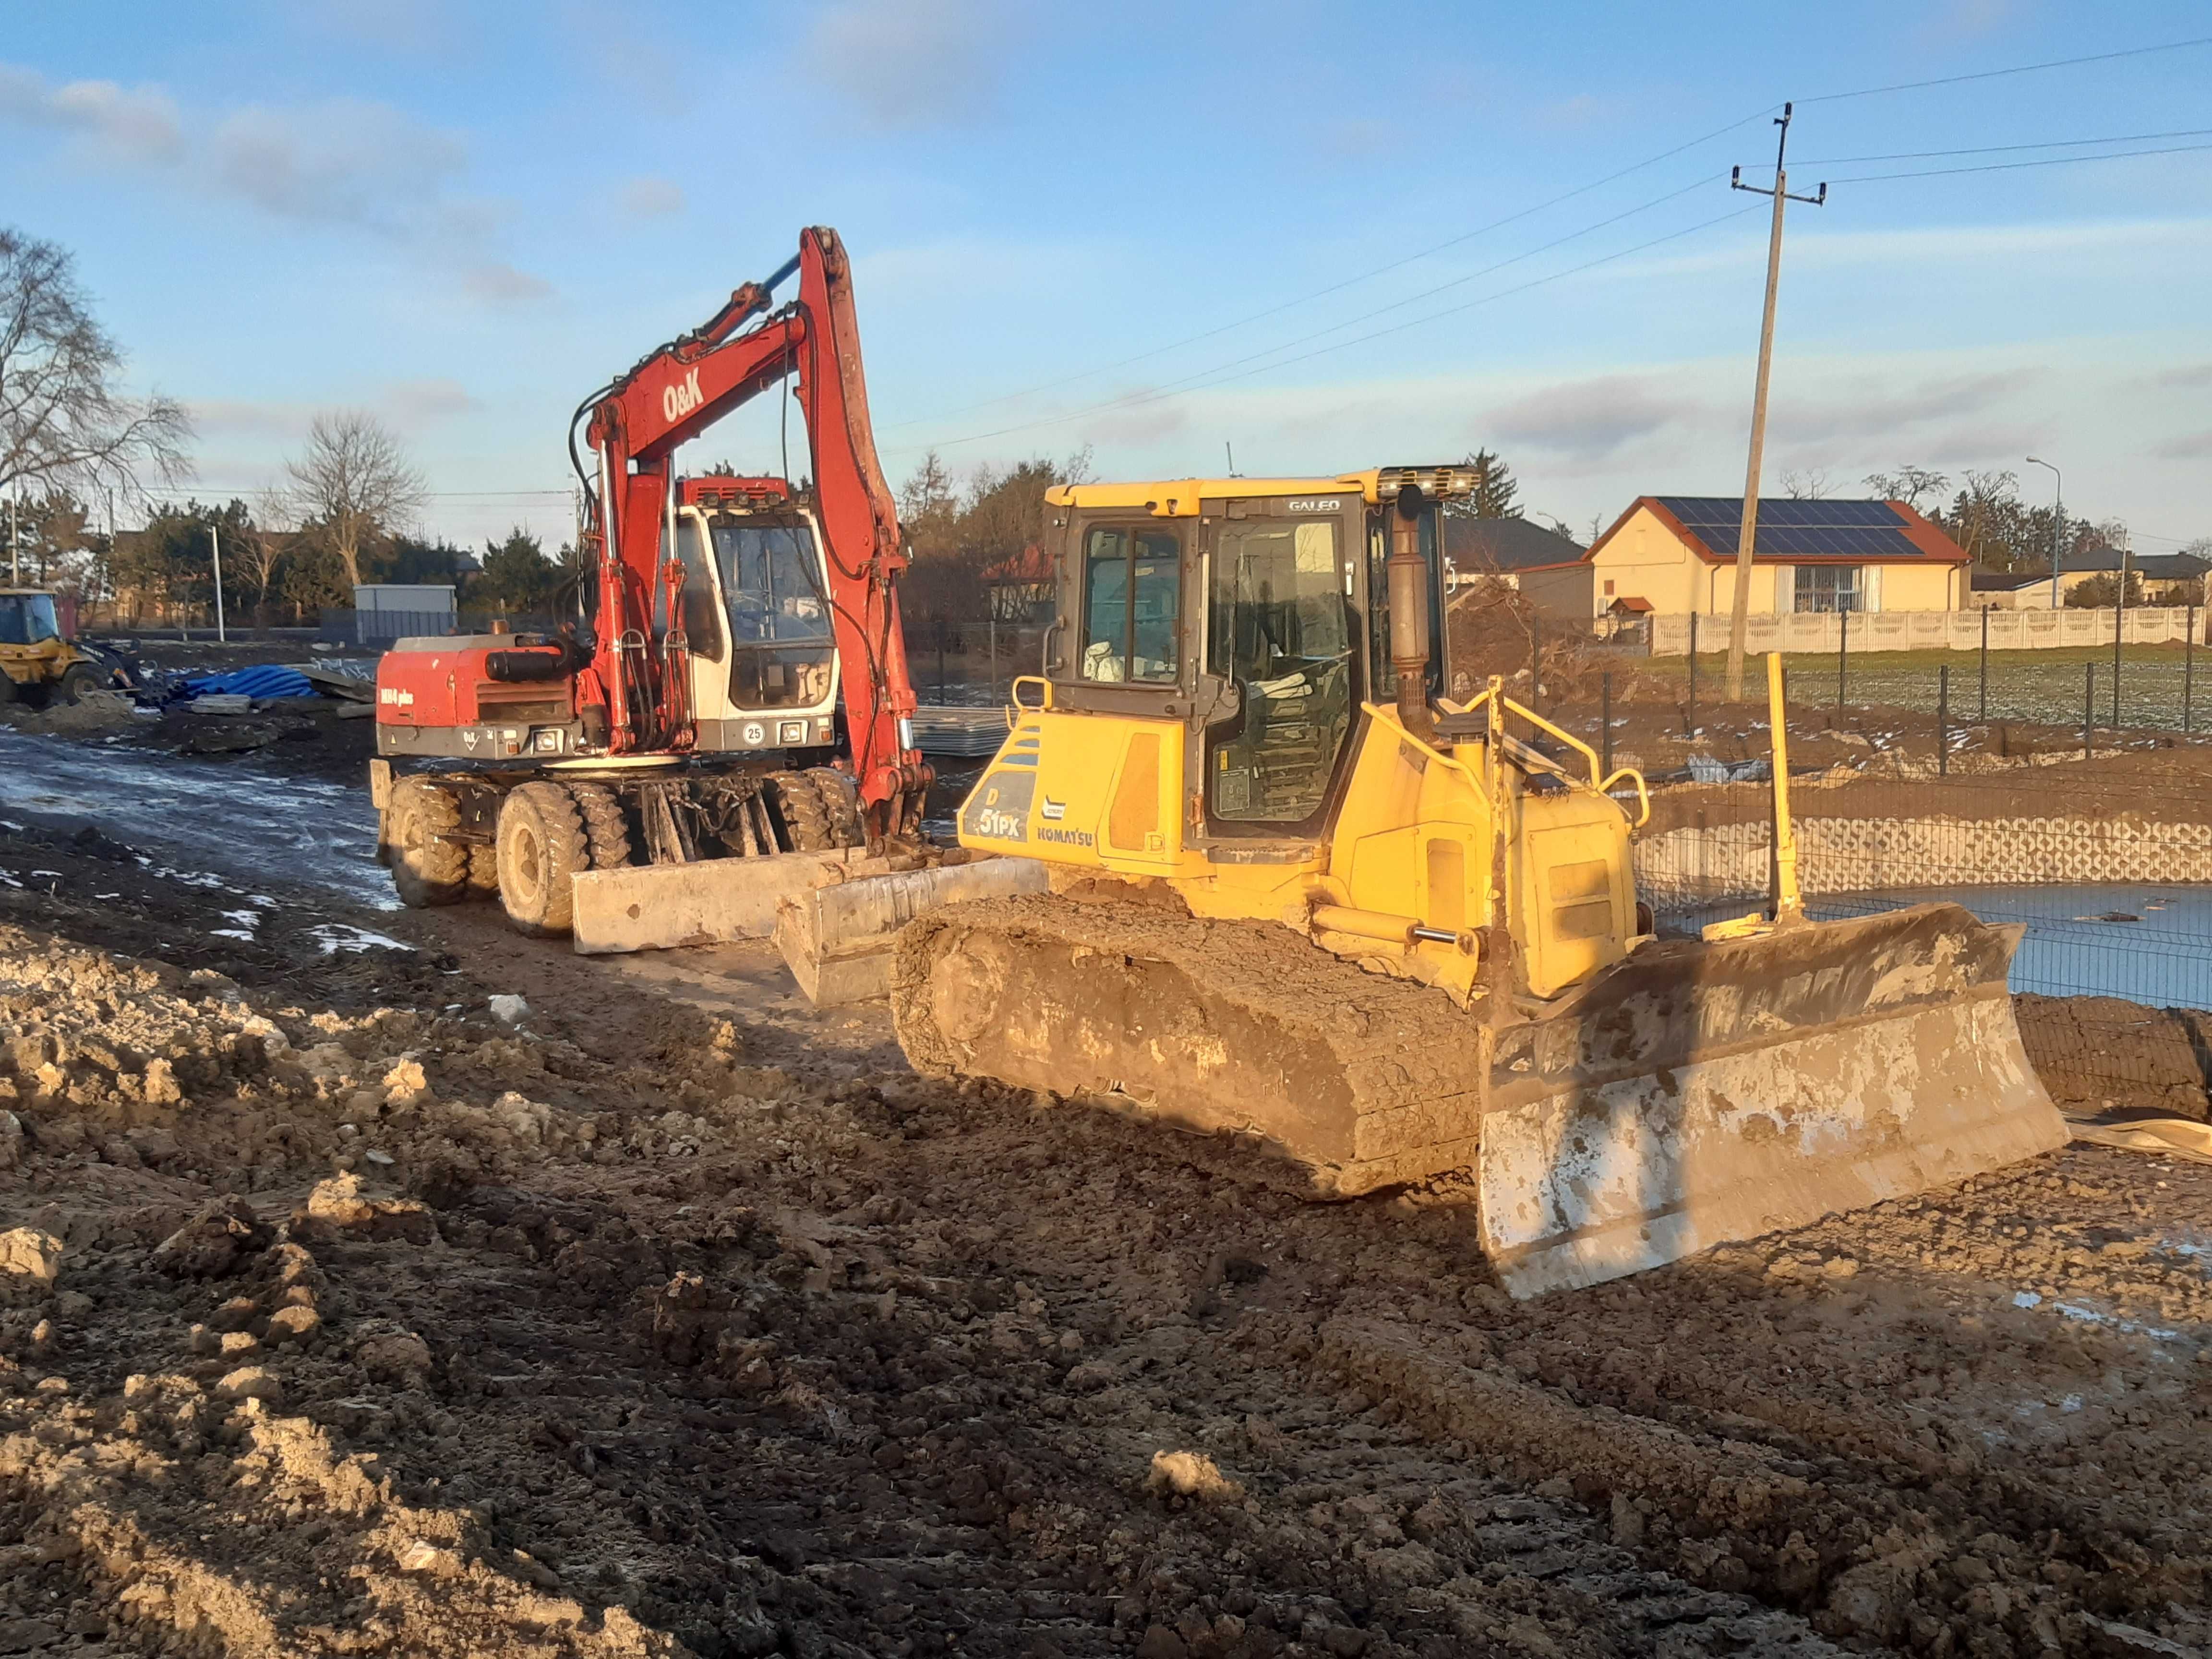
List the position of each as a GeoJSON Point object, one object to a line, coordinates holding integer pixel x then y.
{"type": "Point", "coordinates": [27, 619]}
{"type": "Point", "coordinates": [1132, 605]}
{"type": "Point", "coordinates": [1281, 631]}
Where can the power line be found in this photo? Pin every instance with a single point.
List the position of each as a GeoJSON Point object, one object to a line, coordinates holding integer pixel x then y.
{"type": "Point", "coordinates": [2017, 69]}
{"type": "Point", "coordinates": [1395, 305]}
{"type": "Point", "coordinates": [1322, 293]}
{"type": "Point", "coordinates": [1999, 150]}
{"type": "Point", "coordinates": [189, 492]}
{"type": "Point", "coordinates": [1202, 382]}
{"type": "Point", "coordinates": [2009, 166]}
{"type": "Point", "coordinates": [1338, 287]}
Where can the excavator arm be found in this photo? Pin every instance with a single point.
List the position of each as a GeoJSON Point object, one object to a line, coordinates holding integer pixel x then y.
{"type": "Point", "coordinates": [640, 656]}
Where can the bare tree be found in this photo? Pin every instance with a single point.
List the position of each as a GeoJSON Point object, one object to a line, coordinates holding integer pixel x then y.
{"type": "Point", "coordinates": [65, 422]}
{"type": "Point", "coordinates": [354, 484]}
{"type": "Point", "coordinates": [267, 542]}
{"type": "Point", "coordinates": [1811, 485]}
{"type": "Point", "coordinates": [1907, 484]}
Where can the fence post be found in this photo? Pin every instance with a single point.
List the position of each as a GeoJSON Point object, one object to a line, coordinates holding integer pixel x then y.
{"type": "Point", "coordinates": [1605, 720]}
{"type": "Point", "coordinates": [2088, 706]}
{"type": "Point", "coordinates": [1690, 725]}
{"type": "Point", "coordinates": [1843, 653]}
{"type": "Point", "coordinates": [1944, 721]}
{"type": "Point", "coordinates": [2119, 613]}
{"type": "Point", "coordinates": [1982, 715]}
{"type": "Point", "coordinates": [2188, 667]}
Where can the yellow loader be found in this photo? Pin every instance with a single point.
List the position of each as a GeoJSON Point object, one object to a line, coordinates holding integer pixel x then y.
{"type": "Point", "coordinates": [37, 664]}
{"type": "Point", "coordinates": [1303, 902]}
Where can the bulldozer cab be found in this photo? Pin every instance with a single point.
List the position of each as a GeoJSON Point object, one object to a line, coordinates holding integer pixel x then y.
{"type": "Point", "coordinates": [1251, 612]}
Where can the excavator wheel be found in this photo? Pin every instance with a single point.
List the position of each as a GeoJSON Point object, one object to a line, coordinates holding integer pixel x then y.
{"type": "Point", "coordinates": [841, 805]}
{"type": "Point", "coordinates": [483, 871]}
{"type": "Point", "coordinates": [799, 803]}
{"type": "Point", "coordinates": [605, 825]}
{"type": "Point", "coordinates": [81, 677]}
{"type": "Point", "coordinates": [542, 843]}
{"type": "Point", "coordinates": [425, 869]}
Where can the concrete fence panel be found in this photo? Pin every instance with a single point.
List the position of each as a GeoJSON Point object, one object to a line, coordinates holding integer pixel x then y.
{"type": "Point", "coordinates": [1817, 632]}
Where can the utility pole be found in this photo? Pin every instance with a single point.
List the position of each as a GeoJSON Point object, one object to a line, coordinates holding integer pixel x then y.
{"type": "Point", "coordinates": [1747, 536]}
{"type": "Point", "coordinates": [2058, 521]}
{"type": "Point", "coordinates": [215, 541]}
{"type": "Point", "coordinates": [15, 546]}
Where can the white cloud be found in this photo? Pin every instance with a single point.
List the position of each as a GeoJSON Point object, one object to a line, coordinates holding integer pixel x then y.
{"type": "Point", "coordinates": [651, 198]}
{"type": "Point", "coordinates": [339, 161]}
{"type": "Point", "coordinates": [1588, 419]}
{"type": "Point", "coordinates": [137, 126]}
{"type": "Point", "coordinates": [913, 64]}
{"type": "Point", "coordinates": [343, 160]}
{"type": "Point", "coordinates": [416, 403]}
{"type": "Point", "coordinates": [502, 284]}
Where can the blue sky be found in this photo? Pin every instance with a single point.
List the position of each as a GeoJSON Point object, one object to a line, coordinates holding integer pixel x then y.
{"type": "Point", "coordinates": [1158, 229]}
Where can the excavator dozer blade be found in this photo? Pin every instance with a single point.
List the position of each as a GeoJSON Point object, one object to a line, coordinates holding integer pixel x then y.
{"type": "Point", "coordinates": [1691, 1094]}
{"type": "Point", "coordinates": [834, 914]}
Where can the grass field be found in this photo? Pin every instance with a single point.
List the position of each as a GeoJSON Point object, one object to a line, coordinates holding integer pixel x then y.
{"type": "Point", "coordinates": [2046, 686]}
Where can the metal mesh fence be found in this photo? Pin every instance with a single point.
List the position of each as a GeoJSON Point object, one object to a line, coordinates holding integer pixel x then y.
{"type": "Point", "coordinates": [2105, 863]}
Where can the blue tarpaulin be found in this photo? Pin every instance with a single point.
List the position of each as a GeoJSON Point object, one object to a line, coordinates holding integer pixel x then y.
{"type": "Point", "coordinates": [268, 681]}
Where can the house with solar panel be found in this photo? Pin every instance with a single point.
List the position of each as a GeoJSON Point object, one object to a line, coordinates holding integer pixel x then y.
{"type": "Point", "coordinates": [1672, 555]}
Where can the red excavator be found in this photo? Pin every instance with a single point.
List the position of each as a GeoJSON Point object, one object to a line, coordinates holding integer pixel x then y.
{"type": "Point", "coordinates": [732, 690]}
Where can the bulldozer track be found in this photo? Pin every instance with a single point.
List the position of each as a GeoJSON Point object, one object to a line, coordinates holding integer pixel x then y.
{"type": "Point", "coordinates": [1270, 1006]}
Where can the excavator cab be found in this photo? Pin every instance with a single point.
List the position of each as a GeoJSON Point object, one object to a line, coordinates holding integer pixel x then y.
{"type": "Point", "coordinates": [756, 618]}
{"type": "Point", "coordinates": [1306, 902]}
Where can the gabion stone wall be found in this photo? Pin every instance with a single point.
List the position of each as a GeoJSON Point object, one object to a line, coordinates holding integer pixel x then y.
{"type": "Point", "coordinates": [1854, 855]}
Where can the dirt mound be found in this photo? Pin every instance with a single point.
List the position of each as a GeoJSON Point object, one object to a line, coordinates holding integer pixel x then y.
{"type": "Point", "coordinates": [91, 715]}
{"type": "Point", "coordinates": [400, 1329]}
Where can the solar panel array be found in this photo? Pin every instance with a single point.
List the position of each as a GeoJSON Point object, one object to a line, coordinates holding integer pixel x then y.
{"type": "Point", "coordinates": [1792, 529]}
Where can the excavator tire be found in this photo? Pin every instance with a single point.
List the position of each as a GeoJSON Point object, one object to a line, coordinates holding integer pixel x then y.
{"type": "Point", "coordinates": [426, 870]}
{"type": "Point", "coordinates": [605, 825]}
{"type": "Point", "coordinates": [799, 803]}
{"type": "Point", "coordinates": [483, 871]}
{"type": "Point", "coordinates": [80, 678]}
{"type": "Point", "coordinates": [841, 805]}
{"type": "Point", "coordinates": [1693, 1093]}
{"type": "Point", "coordinates": [7, 690]}
{"type": "Point", "coordinates": [542, 844]}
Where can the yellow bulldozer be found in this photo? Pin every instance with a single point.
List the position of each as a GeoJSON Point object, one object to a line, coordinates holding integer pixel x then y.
{"type": "Point", "coordinates": [1306, 903]}
{"type": "Point", "coordinates": [37, 664]}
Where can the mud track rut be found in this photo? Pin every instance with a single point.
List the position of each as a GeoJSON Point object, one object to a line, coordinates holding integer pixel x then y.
{"type": "Point", "coordinates": [750, 1340]}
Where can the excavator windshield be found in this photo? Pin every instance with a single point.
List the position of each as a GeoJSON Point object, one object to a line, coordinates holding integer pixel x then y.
{"type": "Point", "coordinates": [772, 576]}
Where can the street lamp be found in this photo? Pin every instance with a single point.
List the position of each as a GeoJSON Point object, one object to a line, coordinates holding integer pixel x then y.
{"type": "Point", "coordinates": [2057, 522]}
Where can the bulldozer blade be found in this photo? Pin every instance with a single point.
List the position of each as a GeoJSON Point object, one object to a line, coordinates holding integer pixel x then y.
{"type": "Point", "coordinates": [1690, 1094]}
{"type": "Point", "coordinates": [660, 907]}
{"type": "Point", "coordinates": [1699, 1093]}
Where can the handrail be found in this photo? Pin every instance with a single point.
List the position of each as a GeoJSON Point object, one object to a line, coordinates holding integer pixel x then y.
{"type": "Point", "coordinates": [1602, 786]}
{"type": "Point", "coordinates": [1014, 692]}
{"type": "Point", "coordinates": [1389, 715]}
{"type": "Point", "coordinates": [1642, 792]}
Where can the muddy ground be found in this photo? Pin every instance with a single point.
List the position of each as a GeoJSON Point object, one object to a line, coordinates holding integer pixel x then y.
{"type": "Point", "coordinates": [666, 1315]}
